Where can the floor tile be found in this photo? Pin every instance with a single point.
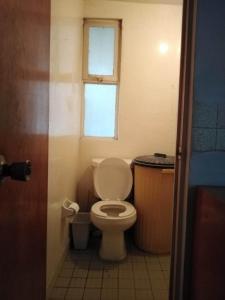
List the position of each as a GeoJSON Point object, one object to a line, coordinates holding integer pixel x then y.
{"type": "Point", "coordinates": [110, 283]}
{"type": "Point", "coordinates": [158, 284]}
{"type": "Point", "coordinates": [74, 294]}
{"type": "Point", "coordinates": [138, 259]}
{"type": "Point", "coordinates": [141, 276]}
{"type": "Point", "coordinates": [92, 294]}
{"type": "Point", "coordinates": [167, 283]}
{"type": "Point", "coordinates": [110, 266]}
{"type": "Point", "coordinates": [125, 274]}
{"type": "Point", "coordinates": [165, 266]}
{"type": "Point", "coordinates": [81, 273]}
{"type": "Point", "coordinates": [154, 267]}
{"type": "Point", "coordinates": [144, 295]}
{"type": "Point", "coordinates": [110, 273]}
{"type": "Point", "coordinates": [78, 282]}
{"type": "Point", "coordinates": [140, 266]}
{"type": "Point", "coordinates": [126, 294]}
{"type": "Point", "coordinates": [152, 259]}
{"type": "Point", "coordinates": [94, 283]}
{"type": "Point", "coordinates": [68, 265]}
{"type": "Point", "coordinates": [166, 274]}
{"type": "Point", "coordinates": [142, 284]}
{"type": "Point", "coordinates": [82, 256]}
{"type": "Point", "coordinates": [83, 265]}
{"type": "Point", "coordinates": [160, 295]}
{"type": "Point", "coordinates": [164, 258]}
{"type": "Point", "coordinates": [109, 294]}
{"type": "Point", "coordinates": [96, 266]}
{"type": "Point", "coordinates": [125, 266]}
{"type": "Point", "coordinates": [95, 274]}
{"type": "Point", "coordinates": [66, 273]}
{"type": "Point", "coordinates": [156, 274]}
{"type": "Point", "coordinates": [126, 283]}
{"type": "Point", "coordinates": [57, 293]}
{"type": "Point", "coordinates": [62, 282]}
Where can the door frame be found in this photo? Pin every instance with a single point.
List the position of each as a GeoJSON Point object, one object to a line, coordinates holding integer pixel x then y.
{"type": "Point", "coordinates": [179, 270]}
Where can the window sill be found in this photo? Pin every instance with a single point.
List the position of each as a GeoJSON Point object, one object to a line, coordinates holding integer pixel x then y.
{"type": "Point", "coordinates": [98, 138]}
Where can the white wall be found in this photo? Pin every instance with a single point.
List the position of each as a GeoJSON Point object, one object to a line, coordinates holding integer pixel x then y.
{"type": "Point", "coordinates": [148, 96]}
{"type": "Point", "coordinates": [64, 131]}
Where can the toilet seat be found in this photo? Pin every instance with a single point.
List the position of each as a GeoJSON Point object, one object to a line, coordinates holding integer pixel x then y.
{"type": "Point", "coordinates": [129, 209]}
{"type": "Point", "coordinates": [113, 179]}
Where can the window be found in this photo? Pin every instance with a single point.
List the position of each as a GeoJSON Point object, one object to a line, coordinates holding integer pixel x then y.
{"type": "Point", "coordinates": [101, 77]}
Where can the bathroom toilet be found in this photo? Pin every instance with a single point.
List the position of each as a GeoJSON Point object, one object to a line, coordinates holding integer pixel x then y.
{"type": "Point", "coordinates": [113, 215]}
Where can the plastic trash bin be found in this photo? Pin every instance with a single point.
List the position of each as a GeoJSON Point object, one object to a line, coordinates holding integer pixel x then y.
{"type": "Point", "coordinates": [81, 230]}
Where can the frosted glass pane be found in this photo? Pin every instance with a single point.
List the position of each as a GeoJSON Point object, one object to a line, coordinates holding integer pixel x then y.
{"type": "Point", "coordinates": [100, 110]}
{"type": "Point", "coordinates": [101, 50]}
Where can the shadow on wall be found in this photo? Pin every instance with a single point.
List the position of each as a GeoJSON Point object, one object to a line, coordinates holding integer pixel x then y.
{"type": "Point", "coordinates": [85, 190]}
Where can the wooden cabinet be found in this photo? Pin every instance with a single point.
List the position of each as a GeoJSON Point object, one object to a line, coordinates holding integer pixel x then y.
{"type": "Point", "coordinates": [153, 191]}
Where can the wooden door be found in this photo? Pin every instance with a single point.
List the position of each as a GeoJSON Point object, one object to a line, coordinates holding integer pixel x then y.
{"type": "Point", "coordinates": [24, 97]}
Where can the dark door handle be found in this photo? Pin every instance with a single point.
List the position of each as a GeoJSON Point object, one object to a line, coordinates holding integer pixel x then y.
{"type": "Point", "coordinates": [17, 171]}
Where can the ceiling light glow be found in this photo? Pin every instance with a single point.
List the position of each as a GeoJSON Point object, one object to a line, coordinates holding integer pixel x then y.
{"type": "Point", "coordinates": [163, 48]}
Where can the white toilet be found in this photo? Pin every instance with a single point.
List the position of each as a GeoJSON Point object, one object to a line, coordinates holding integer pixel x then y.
{"type": "Point", "coordinates": [113, 182]}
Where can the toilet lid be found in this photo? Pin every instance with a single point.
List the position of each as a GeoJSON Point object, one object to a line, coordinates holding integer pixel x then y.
{"type": "Point", "coordinates": [113, 179]}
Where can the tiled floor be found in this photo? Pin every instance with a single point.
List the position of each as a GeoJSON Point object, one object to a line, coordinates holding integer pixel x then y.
{"type": "Point", "coordinates": [140, 276]}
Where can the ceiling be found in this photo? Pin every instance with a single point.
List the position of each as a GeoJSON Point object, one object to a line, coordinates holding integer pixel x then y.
{"type": "Point", "coordinates": [153, 1]}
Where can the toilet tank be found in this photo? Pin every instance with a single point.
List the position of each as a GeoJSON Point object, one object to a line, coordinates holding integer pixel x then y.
{"type": "Point", "coordinates": [96, 161]}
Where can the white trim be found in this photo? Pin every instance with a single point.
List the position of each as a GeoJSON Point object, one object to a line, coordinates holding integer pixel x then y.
{"type": "Point", "coordinates": [115, 137]}
{"type": "Point", "coordinates": [96, 78]}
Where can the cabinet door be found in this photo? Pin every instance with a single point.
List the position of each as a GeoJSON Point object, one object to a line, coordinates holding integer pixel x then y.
{"type": "Point", "coordinates": [208, 252]}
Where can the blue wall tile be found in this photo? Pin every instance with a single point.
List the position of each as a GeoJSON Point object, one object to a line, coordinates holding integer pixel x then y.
{"type": "Point", "coordinates": [220, 141]}
{"type": "Point", "coordinates": [207, 168]}
{"type": "Point", "coordinates": [203, 139]}
{"type": "Point", "coordinates": [207, 165]}
{"type": "Point", "coordinates": [221, 117]}
{"type": "Point", "coordinates": [210, 49]}
{"type": "Point", "coordinates": [205, 115]}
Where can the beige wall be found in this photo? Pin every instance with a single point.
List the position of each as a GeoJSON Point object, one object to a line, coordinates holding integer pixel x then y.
{"type": "Point", "coordinates": [148, 94]}
{"type": "Point", "coordinates": [64, 131]}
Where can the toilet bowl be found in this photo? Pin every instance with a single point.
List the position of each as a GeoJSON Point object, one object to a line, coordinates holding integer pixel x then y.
{"type": "Point", "coordinates": [112, 214]}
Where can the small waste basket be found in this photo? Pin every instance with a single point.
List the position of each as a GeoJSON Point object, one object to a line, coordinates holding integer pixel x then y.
{"type": "Point", "coordinates": [80, 230]}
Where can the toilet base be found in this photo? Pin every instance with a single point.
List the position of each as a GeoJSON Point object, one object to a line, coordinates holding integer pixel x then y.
{"type": "Point", "coordinates": [113, 246]}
